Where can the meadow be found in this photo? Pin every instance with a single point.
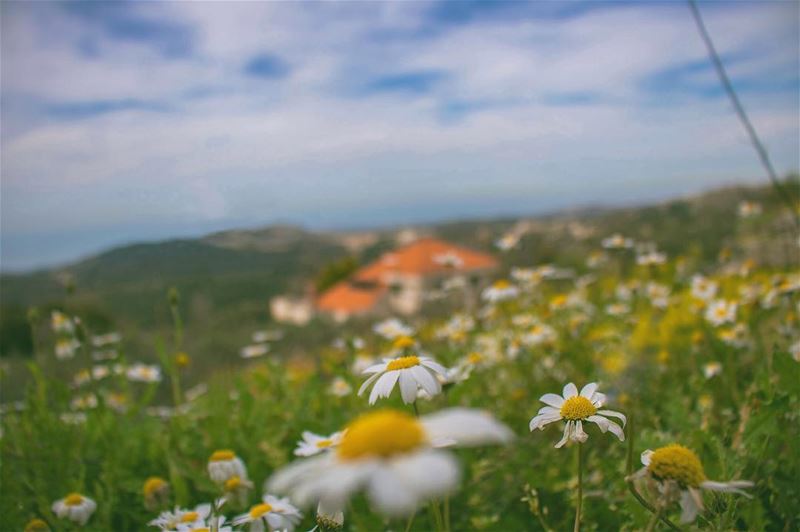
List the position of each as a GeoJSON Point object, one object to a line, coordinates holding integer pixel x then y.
{"type": "Point", "coordinates": [699, 349]}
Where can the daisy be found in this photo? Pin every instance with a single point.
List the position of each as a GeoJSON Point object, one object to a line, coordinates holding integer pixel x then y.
{"type": "Point", "coordinates": [171, 520]}
{"type": "Point", "coordinates": [712, 369]}
{"type": "Point", "coordinates": [66, 348]}
{"type": "Point", "coordinates": [720, 312]}
{"type": "Point", "coordinates": [155, 491]}
{"type": "Point", "coordinates": [652, 258]}
{"type": "Point", "coordinates": [253, 351]}
{"type": "Point", "coordinates": [312, 444]}
{"type": "Point", "coordinates": [224, 464]}
{"type": "Point", "coordinates": [507, 242]}
{"type": "Point", "coordinates": [36, 525]}
{"type": "Point", "coordinates": [501, 290]}
{"type": "Point", "coordinates": [412, 372]}
{"type": "Point", "coordinates": [450, 259]}
{"type": "Point", "coordinates": [271, 514]}
{"type": "Point", "coordinates": [679, 474]}
{"type": "Point", "coordinates": [329, 517]}
{"type": "Point", "coordinates": [576, 408]}
{"type": "Point", "coordinates": [144, 373]}
{"type": "Point", "coordinates": [749, 208]}
{"type": "Point", "coordinates": [236, 489]}
{"type": "Point", "coordinates": [61, 323]}
{"type": "Point", "coordinates": [394, 456]}
{"type": "Point", "coordinates": [339, 387]}
{"type": "Point", "coordinates": [392, 328]}
{"type": "Point", "coordinates": [617, 241]}
{"type": "Point", "coordinates": [205, 525]}
{"type": "Point", "coordinates": [103, 340]}
{"type": "Point", "coordinates": [75, 507]}
{"type": "Point", "coordinates": [703, 288]}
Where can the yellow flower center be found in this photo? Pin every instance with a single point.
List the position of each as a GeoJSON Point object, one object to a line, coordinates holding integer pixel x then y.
{"type": "Point", "coordinates": [36, 525]}
{"type": "Point", "coordinates": [381, 434]}
{"type": "Point", "coordinates": [182, 360]}
{"type": "Point", "coordinates": [403, 363]}
{"type": "Point", "coordinates": [403, 342]}
{"type": "Point", "coordinates": [501, 284]}
{"type": "Point", "coordinates": [475, 358]}
{"type": "Point", "coordinates": [577, 408]}
{"type": "Point", "coordinates": [73, 499]}
{"type": "Point", "coordinates": [222, 456]}
{"type": "Point", "coordinates": [324, 444]}
{"type": "Point", "coordinates": [559, 301]}
{"type": "Point", "coordinates": [189, 517]}
{"type": "Point", "coordinates": [153, 485]}
{"type": "Point", "coordinates": [676, 462]}
{"type": "Point", "coordinates": [232, 483]}
{"type": "Point", "coordinates": [259, 509]}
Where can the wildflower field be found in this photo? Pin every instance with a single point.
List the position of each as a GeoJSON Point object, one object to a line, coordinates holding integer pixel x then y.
{"type": "Point", "coordinates": [632, 390]}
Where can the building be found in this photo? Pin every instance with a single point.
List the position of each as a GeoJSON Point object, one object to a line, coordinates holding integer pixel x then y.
{"type": "Point", "coordinates": [399, 280]}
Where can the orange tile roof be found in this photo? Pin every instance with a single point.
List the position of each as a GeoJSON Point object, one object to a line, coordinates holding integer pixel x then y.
{"type": "Point", "coordinates": [422, 257]}
{"type": "Point", "coordinates": [349, 298]}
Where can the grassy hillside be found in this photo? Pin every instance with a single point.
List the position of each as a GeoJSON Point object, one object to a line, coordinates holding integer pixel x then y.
{"type": "Point", "coordinates": [226, 279]}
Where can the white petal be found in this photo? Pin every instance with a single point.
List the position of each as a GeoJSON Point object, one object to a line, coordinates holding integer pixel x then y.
{"type": "Point", "coordinates": [435, 366]}
{"type": "Point", "coordinates": [552, 399]}
{"type": "Point", "coordinates": [375, 368]}
{"type": "Point", "coordinates": [430, 473]}
{"type": "Point", "coordinates": [734, 486]}
{"type": "Point", "coordinates": [383, 386]}
{"type": "Point", "coordinates": [541, 420]}
{"type": "Point", "coordinates": [567, 433]}
{"type": "Point", "coordinates": [616, 430]}
{"type": "Point", "coordinates": [690, 505]}
{"type": "Point", "coordinates": [646, 455]}
{"type": "Point", "coordinates": [408, 387]}
{"type": "Point", "coordinates": [425, 379]}
{"type": "Point", "coordinates": [588, 390]}
{"type": "Point", "coordinates": [367, 383]}
{"type": "Point", "coordinates": [579, 435]}
{"type": "Point", "coordinates": [570, 390]}
{"type": "Point", "coordinates": [389, 495]}
{"type": "Point", "coordinates": [613, 413]}
{"type": "Point", "coordinates": [466, 426]}
{"type": "Point", "coordinates": [598, 399]}
{"type": "Point", "coordinates": [600, 421]}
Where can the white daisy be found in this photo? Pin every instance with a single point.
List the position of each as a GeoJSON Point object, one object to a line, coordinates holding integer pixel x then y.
{"type": "Point", "coordinates": [271, 514]}
{"type": "Point", "coordinates": [66, 348]}
{"type": "Point", "coordinates": [703, 288]}
{"type": "Point", "coordinates": [339, 387]}
{"type": "Point", "coordinates": [412, 372]}
{"type": "Point", "coordinates": [393, 456]}
{"type": "Point", "coordinates": [576, 408]}
{"type": "Point", "coordinates": [170, 520]}
{"type": "Point", "coordinates": [253, 351]}
{"type": "Point", "coordinates": [617, 241]}
{"type": "Point", "coordinates": [312, 444]}
{"type": "Point", "coordinates": [224, 464]}
{"type": "Point", "coordinates": [329, 517]}
{"type": "Point", "coordinates": [652, 258]}
{"type": "Point", "coordinates": [144, 373]}
{"type": "Point", "coordinates": [61, 323]}
{"type": "Point", "coordinates": [75, 507]}
{"type": "Point", "coordinates": [712, 369]}
{"type": "Point", "coordinates": [392, 328]}
{"type": "Point", "coordinates": [500, 290]}
{"type": "Point", "coordinates": [103, 340]}
{"type": "Point", "coordinates": [720, 312]}
{"type": "Point", "coordinates": [679, 474]}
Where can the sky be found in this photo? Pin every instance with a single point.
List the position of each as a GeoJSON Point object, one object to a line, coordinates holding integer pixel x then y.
{"type": "Point", "coordinates": [125, 122]}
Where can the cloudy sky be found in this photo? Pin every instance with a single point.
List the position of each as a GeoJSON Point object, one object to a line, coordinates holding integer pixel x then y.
{"type": "Point", "coordinates": [125, 122]}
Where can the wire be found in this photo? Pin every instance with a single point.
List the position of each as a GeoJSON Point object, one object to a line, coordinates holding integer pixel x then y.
{"type": "Point", "coordinates": [737, 105]}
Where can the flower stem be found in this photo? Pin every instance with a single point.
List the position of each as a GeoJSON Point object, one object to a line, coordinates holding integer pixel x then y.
{"type": "Point", "coordinates": [577, 526]}
{"type": "Point", "coordinates": [653, 520]}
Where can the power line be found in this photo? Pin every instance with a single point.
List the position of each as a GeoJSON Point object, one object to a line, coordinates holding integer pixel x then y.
{"type": "Point", "coordinates": [737, 105]}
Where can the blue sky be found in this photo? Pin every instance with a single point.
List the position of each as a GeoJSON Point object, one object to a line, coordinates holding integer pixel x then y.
{"type": "Point", "coordinates": [137, 121]}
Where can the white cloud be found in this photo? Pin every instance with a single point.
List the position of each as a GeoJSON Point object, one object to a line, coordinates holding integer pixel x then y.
{"type": "Point", "coordinates": [216, 144]}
